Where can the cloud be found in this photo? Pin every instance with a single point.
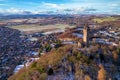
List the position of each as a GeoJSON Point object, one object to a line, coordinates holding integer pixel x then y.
{"type": "Point", "coordinates": [13, 11]}
{"type": "Point", "coordinates": [72, 7]}
{"type": "Point", "coordinates": [51, 8]}
{"type": "Point", "coordinates": [82, 10]}
{"type": "Point", "coordinates": [115, 4]}
{"type": "Point", "coordinates": [52, 5]}
{"type": "Point", "coordinates": [90, 9]}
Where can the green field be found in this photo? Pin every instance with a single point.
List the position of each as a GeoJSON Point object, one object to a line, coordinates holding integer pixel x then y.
{"type": "Point", "coordinates": [106, 19]}
{"type": "Point", "coordinates": [36, 27]}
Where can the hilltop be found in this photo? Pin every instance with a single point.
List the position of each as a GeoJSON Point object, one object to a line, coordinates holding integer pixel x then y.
{"type": "Point", "coordinates": [86, 63]}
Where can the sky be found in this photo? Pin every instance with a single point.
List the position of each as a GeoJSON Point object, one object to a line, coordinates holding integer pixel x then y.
{"type": "Point", "coordinates": [60, 6]}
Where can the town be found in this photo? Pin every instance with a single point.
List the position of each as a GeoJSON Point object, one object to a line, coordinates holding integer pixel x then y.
{"type": "Point", "coordinates": [87, 46]}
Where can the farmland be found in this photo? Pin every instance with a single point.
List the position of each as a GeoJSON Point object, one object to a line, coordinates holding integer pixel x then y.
{"type": "Point", "coordinates": [106, 19]}
{"type": "Point", "coordinates": [36, 27]}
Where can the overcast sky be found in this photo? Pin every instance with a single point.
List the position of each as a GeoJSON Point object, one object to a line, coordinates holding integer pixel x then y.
{"type": "Point", "coordinates": [60, 6]}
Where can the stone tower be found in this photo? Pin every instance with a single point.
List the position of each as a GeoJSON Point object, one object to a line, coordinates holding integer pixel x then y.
{"type": "Point", "coordinates": [86, 35]}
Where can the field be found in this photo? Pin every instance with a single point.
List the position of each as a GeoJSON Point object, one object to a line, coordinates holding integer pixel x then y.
{"type": "Point", "coordinates": [100, 20]}
{"type": "Point", "coordinates": [36, 27]}
{"type": "Point", "coordinates": [12, 20]}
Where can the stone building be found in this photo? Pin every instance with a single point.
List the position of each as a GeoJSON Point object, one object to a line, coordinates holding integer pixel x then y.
{"type": "Point", "coordinates": [86, 35]}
